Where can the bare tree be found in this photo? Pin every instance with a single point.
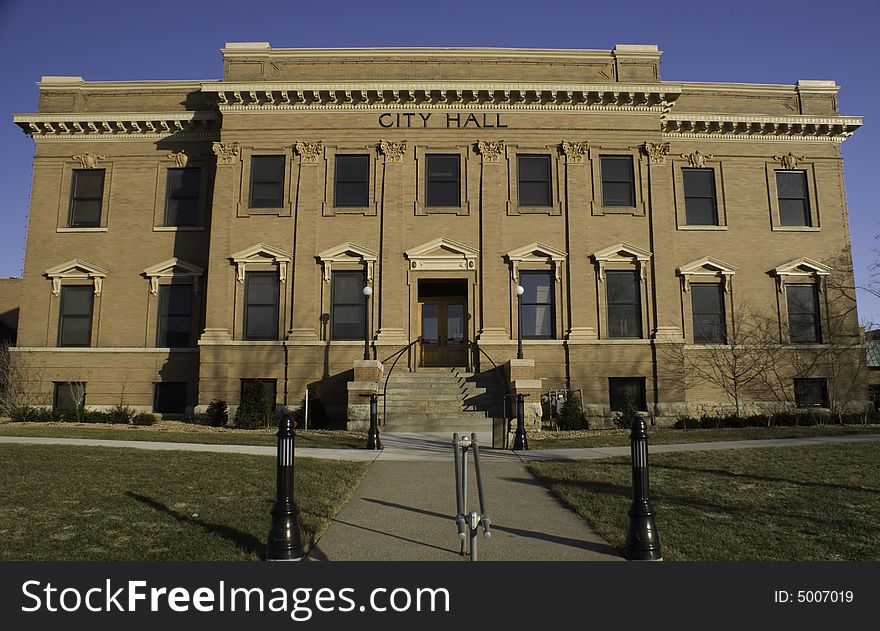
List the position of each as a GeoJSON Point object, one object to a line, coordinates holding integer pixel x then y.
{"type": "Point", "coordinates": [737, 364]}
{"type": "Point", "coordinates": [20, 383]}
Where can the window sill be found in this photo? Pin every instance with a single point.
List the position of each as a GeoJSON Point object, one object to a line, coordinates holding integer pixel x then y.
{"type": "Point", "coordinates": [420, 209]}
{"type": "Point", "coordinates": [795, 228]}
{"type": "Point", "coordinates": [98, 229]}
{"type": "Point", "coordinates": [599, 209]}
{"type": "Point", "coordinates": [178, 228]}
{"type": "Point", "coordinates": [516, 209]}
{"type": "Point", "coordinates": [329, 210]}
{"type": "Point", "coordinates": [709, 227]}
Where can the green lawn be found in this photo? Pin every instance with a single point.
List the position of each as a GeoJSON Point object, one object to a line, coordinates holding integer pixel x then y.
{"type": "Point", "coordinates": [100, 503]}
{"type": "Point", "coordinates": [181, 433]}
{"type": "Point", "coordinates": [665, 436]}
{"type": "Point", "coordinates": [814, 502]}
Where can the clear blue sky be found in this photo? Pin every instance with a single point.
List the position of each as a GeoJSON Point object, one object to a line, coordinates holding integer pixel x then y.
{"type": "Point", "coordinates": [753, 42]}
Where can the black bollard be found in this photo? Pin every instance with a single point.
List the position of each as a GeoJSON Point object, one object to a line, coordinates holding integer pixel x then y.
{"type": "Point", "coordinates": [285, 537]}
{"type": "Point", "coordinates": [373, 440]}
{"type": "Point", "coordinates": [642, 538]}
{"type": "Point", "coordinates": [520, 440]}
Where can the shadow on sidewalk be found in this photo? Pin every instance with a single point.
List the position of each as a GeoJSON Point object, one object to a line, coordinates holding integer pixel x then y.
{"type": "Point", "coordinates": [519, 532]}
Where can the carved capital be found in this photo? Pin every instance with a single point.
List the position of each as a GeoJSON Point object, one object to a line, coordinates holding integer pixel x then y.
{"type": "Point", "coordinates": [89, 160]}
{"type": "Point", "coordinates": [696, 159]}
{"type": "Point", "coordinates": [180, 158]}
{"type": "Point", "coordinates": [309, 151]}
{"type": "Point", "coordinates": [789, 160]}
{"type": "Point", "coordinates": [656, 152]}
{"type": "Point", "coordinates": [226, 152]}
{"type": "Point", "coordinates": [491, 151]}
{"type": "Point", "coordinates": [575, 151]}
{"type": "Point", "coordinates": [393, 151]}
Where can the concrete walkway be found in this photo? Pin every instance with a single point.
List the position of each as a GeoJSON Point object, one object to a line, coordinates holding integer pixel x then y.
{"type": "Point", "coordinates": [403, 509]}
{"type": "Point", "coordinates": [436, 447]}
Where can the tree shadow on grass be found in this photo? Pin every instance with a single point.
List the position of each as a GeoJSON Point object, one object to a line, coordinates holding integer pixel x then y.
{"type": "Point", "coordinates": [766, 478]}
{"type": "Point", "coordinates": [244, 541]}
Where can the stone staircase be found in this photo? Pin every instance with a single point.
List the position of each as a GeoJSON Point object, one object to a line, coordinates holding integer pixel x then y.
{"type": "Point", "coordinates": [440, 400]}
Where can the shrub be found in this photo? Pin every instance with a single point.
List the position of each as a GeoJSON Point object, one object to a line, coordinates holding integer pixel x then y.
{"type": "Point", "coordinates": [30, 414]}
{"type": "Point", "coordinates": [217, 415]}
{"type": "Point", "coordinates": [318, 418]}
{"type": "Point", "coordinates": [119, 415]}
{"type": "Point", "coordinates": [687, 422]}
{"type": "Point", "coordinates": [571, 414]}
{"type": "Point", "coordinates": [254, 410]}
{"type": "Point", "coordinates": [143, 418]}
{"type": "Point", "coordinates": [625, 417]}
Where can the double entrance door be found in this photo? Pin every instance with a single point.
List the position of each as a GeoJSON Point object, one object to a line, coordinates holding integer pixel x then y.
{"type": "Point", "coordinates": [443, 327]}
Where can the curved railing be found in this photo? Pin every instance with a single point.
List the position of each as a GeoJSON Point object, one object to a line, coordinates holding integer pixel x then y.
{"type": "Point", "coordinates": [396, 357]}
{"type": "Point", "coordinates": [501, 379]}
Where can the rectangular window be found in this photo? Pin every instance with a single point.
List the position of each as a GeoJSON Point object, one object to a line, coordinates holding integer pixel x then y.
{"type": "Point", "coordinates": [261, 305]}
{"type": "Point", "coordinates": [175, 316]}
{"type": "Point", "coordinates": [794, 205]}
{"type": "Point", "coordinates": [348, 306]}
{"type": "Point", "coordinates": [443, 180]}
{"type": "Point", "coordinates": [618, 181]}
{"type": "Point", "coordinates": [269, 387]}
{"type": "Point", "coordinates": [75, 322]}
{"type": "Point", "coordinates": [267, 181]}
{"type": "Point", "coordinates": [170, 398]}
{"type": "Point", "coordinates": [810, 393]}
{"type": "Point", "coordinates": [624, 304]}
{"type": "Point", "coordinates": [534, 181]}
{"type": "Point", "coordinates": [622, 390]}
{"type": "Point", "coordinates": [182, 200]}
{"type": "Point", "coordinates": [86, 195]}
{"type": "Point", "coordinates": [700, 205]}
{"type": "Point", "coordinates": [707, 306]}
{"type": "Point", "coordinates": [352, 186]}
{"type": "Point", "coordinates": [803, 314]}
{"type": "Point", "coordinates": [537, 305]}
{"type": "Point", "coordinates": [69, 395]}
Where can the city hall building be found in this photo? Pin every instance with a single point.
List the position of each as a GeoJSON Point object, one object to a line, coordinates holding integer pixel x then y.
{"type": "Point", "coordinates": [188, 237]}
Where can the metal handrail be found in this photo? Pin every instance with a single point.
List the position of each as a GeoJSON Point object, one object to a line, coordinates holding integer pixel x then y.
{"type": "Point", "coordinates": [396, 356]}
{"type": "Point", "coordinates": [498, 374]}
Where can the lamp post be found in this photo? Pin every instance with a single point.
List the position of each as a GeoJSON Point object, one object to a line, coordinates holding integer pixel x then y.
{"type": "Point", "coordinates": [367, 291]}
{"type": "Point", "coordinates": [285, 539]}
{"type": "Point", "coordinates": [642, 539]}
{"type": "Point", "coordinates": [520, 290]}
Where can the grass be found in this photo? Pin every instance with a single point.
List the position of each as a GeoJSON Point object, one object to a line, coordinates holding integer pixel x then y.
{"type": "Point", "coordinates": [175, 432]}
{"type": "Point", "coordinates": [99, 503]}
{"type": "Point", "coordinates": [665, 436]}
{"type": "Point", "coordinates": [813, 502]}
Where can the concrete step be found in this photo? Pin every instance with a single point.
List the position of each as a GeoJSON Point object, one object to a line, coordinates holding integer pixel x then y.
{"type": "Point", "coordinates": [452, 407]}
{"type": "Point", "coordinates": [461, 417]}
{"type": "Point", "coordinates": [414, 398]}
{"type": "Point", "coordinates": [413, 388]}
{"type": "Point", "coordinates": [428, 427]}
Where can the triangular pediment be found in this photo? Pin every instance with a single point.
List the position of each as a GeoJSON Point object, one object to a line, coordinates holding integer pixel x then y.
{"type": "Point", "coordinates": [535, 251]}
{"type": "Point", "coordinates": [76, 268]}
{"type": "Point", "coordinates": [174, 266]}
{"type": "Point", "coordinates": [621, 252]}
{"type": "Point", "coordinates": [707, 265]}
{"type": "Point", "coordinates": [442, 255]}
{"type": "Point", "coordinates": [802, 267]}
{"type": "Point", "coordinates": [258, 252]}
{"type": "Point", "coordinates": [441, 247]}
{"type": "Point", "coordinates": [348, 250]}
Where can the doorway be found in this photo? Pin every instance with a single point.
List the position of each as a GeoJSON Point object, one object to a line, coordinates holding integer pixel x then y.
{"type": "Point", "coordinates": [443, 318]}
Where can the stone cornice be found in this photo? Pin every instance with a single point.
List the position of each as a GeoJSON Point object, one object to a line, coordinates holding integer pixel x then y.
{"type": "Point", "coordinates": [727, 126]}
{"type": "Point", "coordinates": [283, 95]}
{"type": "Point", "coordinates": [119, 126]}
{"type": "Point", "coordinates": [477, 54]}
